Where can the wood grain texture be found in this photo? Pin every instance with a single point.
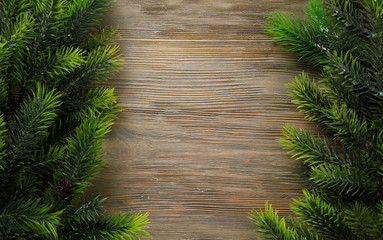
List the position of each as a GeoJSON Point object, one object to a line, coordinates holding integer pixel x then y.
{"type": "Point", "coordinates": [204, 96]}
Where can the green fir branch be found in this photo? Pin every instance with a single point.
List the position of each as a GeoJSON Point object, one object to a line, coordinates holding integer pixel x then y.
{"type": "Point", "coordinates": [3, 143]}
{"type": "Point", "coordinates": [322, 216]}
{"type": "Point", "coordinates": [302, 229]}
{"type": "Point", "coordinates": [343, 73]}
{"type": "Point", "coordinates": [271, 226]}
{"type": "Point", "coordinates": [100, 64]}
{"type": "Point", "coordinates": [103, 38]}
{"type": "Point", "coordinates": [26, 187]}
{"type": "Point", "coordinates": [53, 120]}
{"type": "Point", "coordinates": [310, 99]}
{"type": "Point", "coordinates": [13, 45]}
{"type": "Point", "coordinates": [347, 103]}
{"type": "Point", "coordinates": [346, 15]}
{"type": "Point", "coordinates": [313, 150]}
{"type": "Point", "coordinates": [30, 216]}
{"type": "Point", "coordinates": [4, 108]}
{"type": "Point", "coordinates": [50, 17]}
{"type": "Point", "coordinates": [364, 221]}
{"type": "Point", "coordinates": [128, 226]}
{"type": "Point", "coordinates": [98, 100]}
{"type": "Point", "coordinates": [84, 152]}
{"type": "Point", "coordinates": [91, 209]}
{"type": "Point", "coordinates": [59, 64]}
{"type": "Point", "coordinates": [82, 17]}
{"type": "Point", "coordinates": [298, 36]}
{"type": "Point", "coordinates": [27, 132]}
{"type": "Point", "coordinates": [31, 124]}
{"type": "Point", "coordinates": [346, 181]}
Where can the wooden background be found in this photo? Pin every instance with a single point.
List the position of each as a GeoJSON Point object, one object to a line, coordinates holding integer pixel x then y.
{"type": "Point", "coordinates": [204, 96]}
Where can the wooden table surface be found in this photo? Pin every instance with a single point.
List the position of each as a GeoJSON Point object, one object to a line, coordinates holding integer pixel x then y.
{"type": "Point", "coordinates": [204, 96]}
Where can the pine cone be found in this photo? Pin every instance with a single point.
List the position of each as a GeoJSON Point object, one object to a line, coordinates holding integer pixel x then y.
{"type": "Point", "coordinates": [63, 189]}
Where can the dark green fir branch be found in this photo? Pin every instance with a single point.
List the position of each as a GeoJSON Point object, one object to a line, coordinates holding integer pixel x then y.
{"type": "Point", "coordinates": [84, 152]}
{"type": "Point", "coordinates": [82, 17]}
{"type": "Point", "coordinates": [20, 216]}
{"type": "Point", "coordinates": [313, 150]}
{"type": "Point", "coordinates": [322, 216]}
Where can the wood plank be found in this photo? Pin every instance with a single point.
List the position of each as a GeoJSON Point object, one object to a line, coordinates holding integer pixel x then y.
{"type": "Point", "coordinates": [204, 96]}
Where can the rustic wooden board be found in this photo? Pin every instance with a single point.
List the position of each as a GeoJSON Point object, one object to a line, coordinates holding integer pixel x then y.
{"type": "Point", "coordinates": [204, 96]}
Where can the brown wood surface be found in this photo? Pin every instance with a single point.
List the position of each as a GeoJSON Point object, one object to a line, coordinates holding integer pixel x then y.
{"type": "Point", "coordinates": [204, 96]}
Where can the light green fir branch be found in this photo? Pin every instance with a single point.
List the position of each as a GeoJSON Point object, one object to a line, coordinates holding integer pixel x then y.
{"type": "Point", "coordinates": [310, 98]}
{"type": "Point", "coordinates": [99, 65]}
{"type": "Point", "coordinates": [312, 150]}
{"type": "Point", "coordinates": [270, 226]}
{"type": "Point", "coordinates": [122, 226]}
{"type": "Point", "coordinates": [57, 65]}
{"type": "Point", "coordinates": [298, 36]}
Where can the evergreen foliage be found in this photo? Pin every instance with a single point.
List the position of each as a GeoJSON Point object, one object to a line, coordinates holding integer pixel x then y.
{"type": "Point", "coordinates": [344, 39]}
{"type": "Point", "coordinates": [53, 120]}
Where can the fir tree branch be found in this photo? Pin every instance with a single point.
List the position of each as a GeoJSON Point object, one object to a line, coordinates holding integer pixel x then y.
{"type": "Point", "coordinates": [102, 38]}
{"type": "Point", "coordinates": [3, 152]}
{"type": "Point", "coordinates": [271, 226]}
{"type": "Point", "coordinates": [84, 148]}
{"type": "Point", "coordinates": [27, 132]}
{"type": "Point", "coordinates": [302, 229]}
{"type": "Point", "coordinates": [379, 208]}
{"type": "Point", "coordinates": [39, 44]}
{"type": "Point", "coordinates": [88, 211]}
{"type": "Point", "coordinates": [101, 101]}
{"type": "Point", "coordinates": [57, 65]}
{"type": "Point", "coordinates": [100, 64]}
{"type": "Point", "coordinates": [364, 222]}
{"type": "Point", "coordinates": [91, 209]}
{"type": "Point", "coordinates": [28, 216]}
{"type": "Point", "coordinates": [309, 98]}
{"type": "Point", "coordinates": [97, 100]}
{"type": "Point", "coordinates": [313, 150]}
{"type": "Point", "coordinates": [31, 124]}
{"type": "Point", "coordinates": [349, 103]}
{"type": "Point", "coordinates": [316, 14]}
{"type": "Point", "coordinates": [26, 187]}
{"type": "Point", "coordinates": [4, 108]}
{"type": "Point", "coordinates": [82, 17]}
{"type": "Point", "coordinates": [50, 17]}
{"type": "Point", "coordinates": [322, 216]}
{"type": "Point", "coordinates": [344, 72]}
{"type": "Point", "coordinates": [351, 83]}
{"type": "Point", "coordinates": [298, 36]}
{"type": "Point", "coordinates": [345, 181]}
{"type": "Point", "coordinates": [128, 226]}
{"type": "Point", "coordinates": [346, 16]}
{"type": "Point", "coordinates": [10, 10]}
{"type": "Point", "coordinates": [13, 46]}
{"type": "Point", "coordinates": [349, 128]}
